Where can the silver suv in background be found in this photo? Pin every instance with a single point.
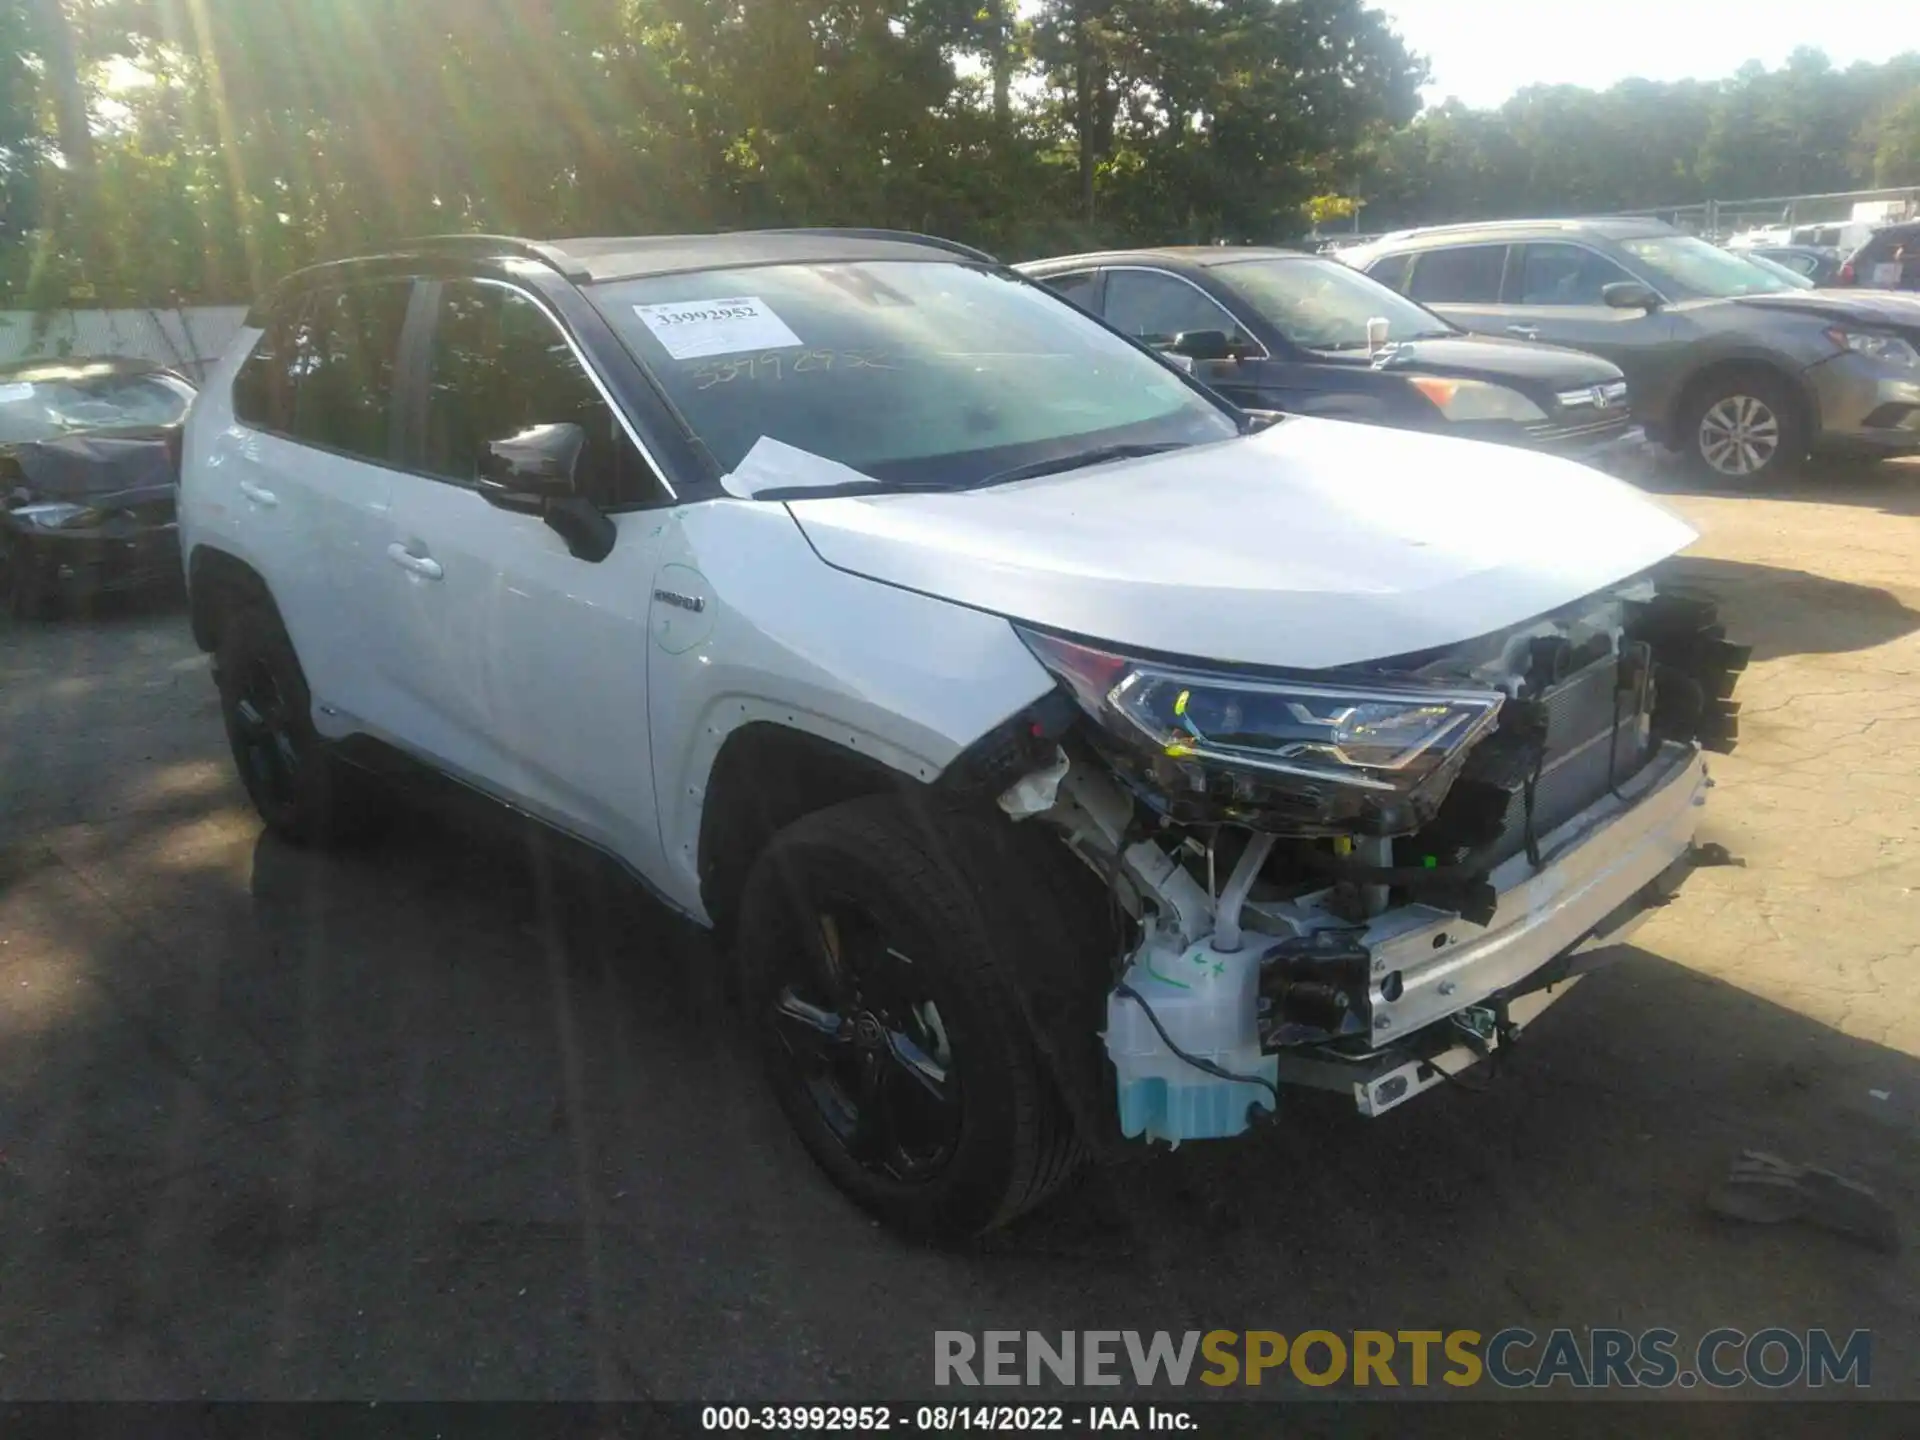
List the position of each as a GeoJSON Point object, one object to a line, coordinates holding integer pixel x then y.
{"type": "Point", "coordinates": [1726, 362]}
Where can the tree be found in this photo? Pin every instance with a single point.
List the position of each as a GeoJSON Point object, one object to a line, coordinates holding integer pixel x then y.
{"type": "Point", "coordinates": [1896, 152]}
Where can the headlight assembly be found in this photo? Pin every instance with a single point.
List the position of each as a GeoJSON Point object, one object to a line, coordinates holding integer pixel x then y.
{"type": "Point", "coordinates": [1461, 400]}
{"type": "Point", "coordinates": [1890, 348]}
{"type": "Point", "coordinates": [1305, 756]}
{"type": "Point", "coordinates": [59, 515]}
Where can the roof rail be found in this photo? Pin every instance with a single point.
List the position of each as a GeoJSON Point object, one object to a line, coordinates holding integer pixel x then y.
{"type": "Point", "coordinates": [854, 232]}
{"type": "Point", "coordinates": [550, 255]}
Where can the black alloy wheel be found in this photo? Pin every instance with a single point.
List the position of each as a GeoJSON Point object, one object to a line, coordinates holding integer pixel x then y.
{"type": "Point", "coordinates": [868, 1046]}
{"type": "Point", "coordinates": [881, 945]}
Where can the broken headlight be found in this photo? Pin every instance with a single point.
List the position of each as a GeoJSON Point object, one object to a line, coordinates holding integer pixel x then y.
{"type": "Point", "coordinates": [1300, 756]}
{"type": "Point", "coordinates": [59, 515]}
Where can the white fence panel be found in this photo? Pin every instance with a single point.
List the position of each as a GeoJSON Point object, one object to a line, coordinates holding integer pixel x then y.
{"type": "Point", "coordinates": [189, 340]}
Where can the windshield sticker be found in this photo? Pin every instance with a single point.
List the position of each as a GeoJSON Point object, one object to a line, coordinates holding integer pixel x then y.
{"type": "Point", "coordinates": [14, 394]}
{"type": "Point", "coordinates": [774, 465]}
{"type": "Point", "coordinates": [695, 329]}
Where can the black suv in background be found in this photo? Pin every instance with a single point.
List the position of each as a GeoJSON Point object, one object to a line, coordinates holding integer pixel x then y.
{"type": "Point", "coordinates": [1732, 365]}
{"type": "Point", "coordinates": [1890, 260]}
{"type": "Point", "coordinates": [1279, 330]}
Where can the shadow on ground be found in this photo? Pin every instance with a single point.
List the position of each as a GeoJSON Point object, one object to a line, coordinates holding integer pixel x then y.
{"type": "Point", "coordinates": [444, 1118]}
{"type": "Point", "coordinates": [1781, 612]}
{"type": "Point", "coordinates": [1891, 487]}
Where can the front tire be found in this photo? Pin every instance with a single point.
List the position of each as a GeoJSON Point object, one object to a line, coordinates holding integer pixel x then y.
{"type": "Point", "coordinates": [1744, 429]}
{"type": "Point", "coordinates": [303, 791]}
{"type": "Point", "coordinates": [876, 965]}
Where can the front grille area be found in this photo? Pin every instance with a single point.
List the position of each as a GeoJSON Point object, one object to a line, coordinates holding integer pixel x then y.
{"type": "Point", "coordinates": [1586, 751]}
{"type": "Point", "coordinates": [1575, 428]}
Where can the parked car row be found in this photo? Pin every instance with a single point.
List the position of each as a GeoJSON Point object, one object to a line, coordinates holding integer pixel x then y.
{"type": "Point", "coordinates": [1733, 365]}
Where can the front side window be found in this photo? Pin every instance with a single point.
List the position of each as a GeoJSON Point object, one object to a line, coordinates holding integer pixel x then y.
{"type": "Point", "coordinates": [924, 373]}
{"type": "Point", "coordinates": [1687, 265]}
{"type": "Point", "coordinates": [1565, 275]}
{"type": "Point", "coordinates": [1463, 275]}
{"type": "Point", "coordinates": [1324, 305]}
{"type": "Point", "coordinates": [498, 366]}
{"type": "Point", "coordinates": [1391, 270]}
{"type": "Point", "coordinates": [1155, 307]}
{"type": "Point", "coordinates": [346, 347]}
{"type": "Point", "coordinates": [1079, 287]}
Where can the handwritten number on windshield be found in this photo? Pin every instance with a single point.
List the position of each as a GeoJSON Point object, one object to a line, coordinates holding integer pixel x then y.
{"type": "Point", "coordinates": [772, 365]}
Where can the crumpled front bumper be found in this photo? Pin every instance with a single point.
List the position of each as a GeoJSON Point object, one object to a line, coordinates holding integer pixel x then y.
{"type": "Point", "coordinates": [1601, 872]}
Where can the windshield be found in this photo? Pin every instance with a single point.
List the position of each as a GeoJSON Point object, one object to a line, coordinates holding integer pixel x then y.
{"type": "Point", "coordinates": [1690, 265]}
{"type": "Point", "coordinates": [924, 373]}
{"type": "Point", "coordinates": [1324, 305]}
{"type": "Point", "coordinates": [43, 408]}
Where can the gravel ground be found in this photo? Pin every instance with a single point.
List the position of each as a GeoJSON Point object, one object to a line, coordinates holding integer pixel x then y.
{"type": "Point", "coordinates": [441, 1120]}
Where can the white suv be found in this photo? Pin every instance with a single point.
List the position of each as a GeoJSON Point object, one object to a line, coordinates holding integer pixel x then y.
{"type": "Point", "coordinates": [1069, 758]}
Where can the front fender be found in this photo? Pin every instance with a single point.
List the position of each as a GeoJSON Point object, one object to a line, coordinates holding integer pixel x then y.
{"type": "Point", "coordinates": [750, 626]}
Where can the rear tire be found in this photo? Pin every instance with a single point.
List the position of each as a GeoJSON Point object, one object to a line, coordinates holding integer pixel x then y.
{"type": "Point", "coordinates": [876, 959]}
{"type": "Point", "coordinates": [306, 794]}
{"type": "Point", "coordinates": [1743, 429]}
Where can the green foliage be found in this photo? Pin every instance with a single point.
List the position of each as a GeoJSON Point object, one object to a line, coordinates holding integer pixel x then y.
{"type": "Point", "coordinates": [1558, 150]}
{"type": "Point", "coordinates": [1896, 150]}
{"type": "Point", "coordinates": [236, 139]}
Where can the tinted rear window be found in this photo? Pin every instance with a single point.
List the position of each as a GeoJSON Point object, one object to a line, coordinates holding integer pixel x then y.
{"type": "Point", "coordinates": [1462, 275]}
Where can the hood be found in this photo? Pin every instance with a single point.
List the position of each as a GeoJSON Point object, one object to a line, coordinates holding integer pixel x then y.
{"type": "Point", "coordinates": [1874, 307]}
{"type": "Point", "coordinates": [129, 466]}
{"type": "Point", "coordinates": [1491, 357]}
{"type": "Point", "coordinates": [1314, 543]}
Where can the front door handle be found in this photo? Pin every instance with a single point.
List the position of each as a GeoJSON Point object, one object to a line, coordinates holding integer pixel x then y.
{"type": "Point", "coordinates": [263, 498]}
{"type": "Point", "coordinates": [424, 566]}
{"type": "Point", "coordinates": [1525, 332]}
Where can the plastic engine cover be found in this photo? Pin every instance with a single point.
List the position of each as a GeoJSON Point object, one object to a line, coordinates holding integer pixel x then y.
{"type": "Point", "coordinates": [1208, 1003]}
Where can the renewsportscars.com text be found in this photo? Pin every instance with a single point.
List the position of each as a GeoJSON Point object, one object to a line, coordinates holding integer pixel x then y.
{"type": "Point", "coordinates": [1513, 1358]}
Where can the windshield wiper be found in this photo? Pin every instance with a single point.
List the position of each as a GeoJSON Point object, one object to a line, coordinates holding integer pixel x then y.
{"type": "Point", "coordinates": [1099, 455]}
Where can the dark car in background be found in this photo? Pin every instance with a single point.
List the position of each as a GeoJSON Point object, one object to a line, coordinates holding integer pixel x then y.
{"type": "Point", "coordinates": [1730, 364]}
{"type": "Point", "coordinates": [89, 474]}
{"type": "Point", "coordinates": [1811, 262]}
{"type": "Point", "coordinates": [1280, 330]}
{"type": "Point", "coordinates": [1890, 260]}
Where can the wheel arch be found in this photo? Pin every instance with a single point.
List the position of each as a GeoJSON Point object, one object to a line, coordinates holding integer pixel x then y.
{"type": "Point", "coordinates": [1727, 367]}
{"type": "Point", "coordinates": [766, 776]}
{"type": "Point", "coordinates": [217, 580]}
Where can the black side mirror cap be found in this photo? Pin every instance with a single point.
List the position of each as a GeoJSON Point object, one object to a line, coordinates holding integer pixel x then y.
{"type": "Point", "coordinates": [536, 472]}
{"type": "Point", "coordinates": [1629, 295]}
{"type": "Point", "coordinates": [1203, 345]}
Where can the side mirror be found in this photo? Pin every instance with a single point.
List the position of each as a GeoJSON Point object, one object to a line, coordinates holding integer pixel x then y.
{"type": "Point", "coordinates": [1629, 295]}
{"type": "Point", "coordinates": [536, 472]}
{"type": "Point", "coordinates": [1203, 345]}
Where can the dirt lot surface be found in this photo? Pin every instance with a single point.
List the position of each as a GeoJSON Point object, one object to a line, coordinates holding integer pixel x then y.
{"type": "Point", "coordinates": [437, 1120]}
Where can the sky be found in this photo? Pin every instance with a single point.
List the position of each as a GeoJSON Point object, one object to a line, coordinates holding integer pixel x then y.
{"type": "Point", "coordinates": [1484, 50]}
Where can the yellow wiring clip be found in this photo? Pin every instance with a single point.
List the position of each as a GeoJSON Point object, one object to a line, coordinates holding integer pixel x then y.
{"type": "Point", "coordinates": [1178, 751]}
{"type": "Point", "coordinates": [1343, 844]}
{"type": "Point", "coordinates": [1180, 705]}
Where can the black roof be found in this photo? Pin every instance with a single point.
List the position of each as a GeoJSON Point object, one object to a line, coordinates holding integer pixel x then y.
{"type": "Point", "coordinates": [1202, 256]}
{"type": "Point", "coordinates": [597, 259]}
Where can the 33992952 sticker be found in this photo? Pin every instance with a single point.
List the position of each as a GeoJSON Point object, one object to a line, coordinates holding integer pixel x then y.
{"type": "Point", "coordinates": [695, 329]}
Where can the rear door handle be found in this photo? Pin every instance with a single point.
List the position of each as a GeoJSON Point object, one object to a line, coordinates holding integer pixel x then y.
{"type": "Point", "coordinates": [424, 566]}
{"type": "Point", "coordinates": [264, 498]}
{"type": "Point", "coordinates": [1525, 332]}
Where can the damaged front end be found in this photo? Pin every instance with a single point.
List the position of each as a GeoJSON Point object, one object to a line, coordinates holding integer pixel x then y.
{"type": "Point", "coordinates": [1367, 880]}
